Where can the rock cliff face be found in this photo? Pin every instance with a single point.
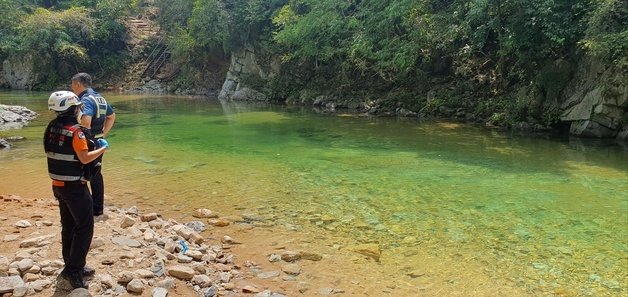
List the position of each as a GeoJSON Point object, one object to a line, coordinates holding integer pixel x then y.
{"type": "Point", "coordinates": [598, 103]}
{"type": "Point", "coordinates": [243, 63]}
{"type": "Point", "coordinates": [18, 73]}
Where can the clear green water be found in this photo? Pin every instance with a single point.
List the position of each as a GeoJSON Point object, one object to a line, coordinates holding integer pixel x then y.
{"type": "Point", "coordinates": [537, 214]}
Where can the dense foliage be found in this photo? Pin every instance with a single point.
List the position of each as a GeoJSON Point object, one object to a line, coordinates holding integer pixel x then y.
{"type": "Point", "coordinates": [508, 60]}
{"type": "Point", "coordinates": [61, 38]}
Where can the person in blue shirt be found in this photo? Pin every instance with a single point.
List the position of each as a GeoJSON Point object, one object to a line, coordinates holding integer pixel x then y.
{"type": "Point", "coordinates": [98, 116]}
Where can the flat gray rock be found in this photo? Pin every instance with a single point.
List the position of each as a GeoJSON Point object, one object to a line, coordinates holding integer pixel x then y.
{"type": "Point", "coordinates": [9, 283]}
{"type": "Point", "coordinates": [125, 241]}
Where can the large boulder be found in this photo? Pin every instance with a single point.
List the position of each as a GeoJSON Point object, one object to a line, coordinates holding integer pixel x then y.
{"type": "Point", "coordinates": [15, 117]}
{"type": "Point", "coordinates": [598, 104]}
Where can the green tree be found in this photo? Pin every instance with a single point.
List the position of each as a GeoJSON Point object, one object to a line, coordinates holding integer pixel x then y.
{"type": "Point", "coordinates": [12, 14]}
{"type": "Point", "coordinates": [55, 41]}
{"type": "Point", "coordinates": [607, 32]}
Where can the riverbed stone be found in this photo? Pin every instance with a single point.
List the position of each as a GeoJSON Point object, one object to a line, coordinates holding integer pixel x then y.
{"type": "Point", "coordinates": [269, 274]}
{"type": "Point", "coordinates": [196, 255]}
{"type": "Point", "coordinates": [290, 256]}
{"type": "Point", "coordinates": [202, 280]}
{"type": "Point", "coordinates": [144, 273]}
{"type": "Point", "coordinates": [181, 272]}
{"type": "Point", "coordinates": [135, 286]}
{"type": "Point", "coordinates": [127, 221]}
{"type": "Point", "coordinates": [303, 287]}
{"type": "Point", "coordinates": [125, 241]}
{"type": "Point", "coordinates": [11, 237]}
{"type": "Point", "coordinates": [149, 217]}
{"type": "Point", "coordinates": [310, 256]}
{"type": "Point", "coordinates": [292, 269]}
{"type": "Point", "coordinates": [9, 283]}
{"type": "Point", "coordinates": [250, 289]}
{"type": "Point", "coordinates": [369, 249]}
{"type": "Point", "coordinates": [4, 263]}
{"type": "Point", "coordinates": [80, 292]}
{"type": "Point", "coordinates": [23, 224]}
{"type": "Point", "coordinates": [204, 213]}
{"type": "Point", "coordinates": [218, 222]}
{"type": "Point", "coordinates": [37, 241]}
{"type": "Point", "coordinates": [159, 292]}
{"type": "Point", "coordinates": [25, 264]}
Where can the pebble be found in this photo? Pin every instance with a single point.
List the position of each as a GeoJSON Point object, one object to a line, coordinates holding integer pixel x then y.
{"type": "Point", "coordinates": [127, 222]}
{"type": "Point", "coordinates": [204, 213]}
{"type": "Point", "coordinates": [181, 272]}
{"type": "Point", "coordinates": [292, 269]}
{"type": "Point", "coordinates": [9, 283]}
{"type": "Point", "coordinates": [269, 274]}
{"type": "Point", "coordinates": [250, 289]}
{"type": "Point", "coordinates": [11, 237]}
{"type": "Point", "coordinates": [159, 292]}
{"type": "Point", "coordinates": [135, 286]}
{"type": "Point", "coordinates": [229, 240]}
{"type": "Point", "coordinates": [303, 287]}
{"type": "Point", "coordinates": [201, 280]}
{"type": "Point", "coordinates": [149, 217]}
{"type": "Point", "coordinates": [274, 258]}
{"type": "Point", "coordinates": [290, 256]}
{"type": "Point", "coordinates": [23, 224]}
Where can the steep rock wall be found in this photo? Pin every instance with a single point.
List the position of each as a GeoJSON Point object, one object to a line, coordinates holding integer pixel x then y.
{"type": "Point", "coordinates": [18, 73]}
{"type": "Point", "coordinates": [243, 63]}
{"type": "Point", "coordinates": [597, 105]}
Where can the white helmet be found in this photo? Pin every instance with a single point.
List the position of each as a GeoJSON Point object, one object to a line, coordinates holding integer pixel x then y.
{"type": "Point", "coordinates": [62, 100]}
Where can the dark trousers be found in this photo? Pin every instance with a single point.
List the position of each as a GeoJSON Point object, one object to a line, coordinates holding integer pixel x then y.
{"type": "Point", "coordinates": [77, 223]}
{"type": "Point", "coordinates": [97, 184]}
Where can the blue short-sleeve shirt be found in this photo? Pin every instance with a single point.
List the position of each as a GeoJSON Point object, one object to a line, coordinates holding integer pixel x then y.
{"type": "Point", "coordinates": [96, 106]}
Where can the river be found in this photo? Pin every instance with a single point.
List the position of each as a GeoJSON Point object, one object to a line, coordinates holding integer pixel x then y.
{"type": "Point", "coordinates": [457, 210]}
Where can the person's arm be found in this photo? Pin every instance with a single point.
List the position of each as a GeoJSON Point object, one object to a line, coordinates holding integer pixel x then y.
{"type": "Point", "coordinates": [86, 121]}
{"type": "Point", "coordinates": [79, 143]}
{"type": "Point", "coordinates": [109, 120]}
{"type": "Point", "coordinates": [89, 111]}
{"type": "Point", "coordinates": [86, 157]}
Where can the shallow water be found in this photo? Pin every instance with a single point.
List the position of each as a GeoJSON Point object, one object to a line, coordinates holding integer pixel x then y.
{"type": "Point", "coordinates": [543, 216]}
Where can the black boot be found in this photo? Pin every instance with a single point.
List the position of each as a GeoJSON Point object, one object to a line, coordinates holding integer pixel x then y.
{"type": "Point", "coordinates": [74, 278]}
{"type": "Point", "coordinates": [88, 271]}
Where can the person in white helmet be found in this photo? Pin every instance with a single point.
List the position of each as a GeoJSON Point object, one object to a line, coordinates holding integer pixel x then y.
{"type": "Point", "coordinates": [70, 165]}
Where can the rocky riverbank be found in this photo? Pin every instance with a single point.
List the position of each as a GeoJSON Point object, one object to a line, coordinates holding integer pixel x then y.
{"type": "Point", "coordinates": [13, 117]}
{"type": "Point", "coordinates": [133, 252]}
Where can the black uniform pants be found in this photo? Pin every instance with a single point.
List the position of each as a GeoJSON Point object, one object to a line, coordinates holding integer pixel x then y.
{"type": "Point", "coordinates": [77, 223]}
{"type": "Point", "coordinates": [97, 184]}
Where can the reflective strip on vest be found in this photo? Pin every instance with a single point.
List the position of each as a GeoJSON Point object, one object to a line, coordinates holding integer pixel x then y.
{"type": "Point", "coordinates": [62, 131]}
{"type": "Point", "coordinates": [64, 177]}
{"type": "Point", "coordinates": [101, 105]}
{"type": "Point", "coordinates": [60, 157]}
{"type": "Point", "coordinates": [63, 163]}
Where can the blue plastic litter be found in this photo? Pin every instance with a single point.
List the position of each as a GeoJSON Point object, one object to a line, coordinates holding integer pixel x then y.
{"type": "Point", "coordinates": [184, 246]}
